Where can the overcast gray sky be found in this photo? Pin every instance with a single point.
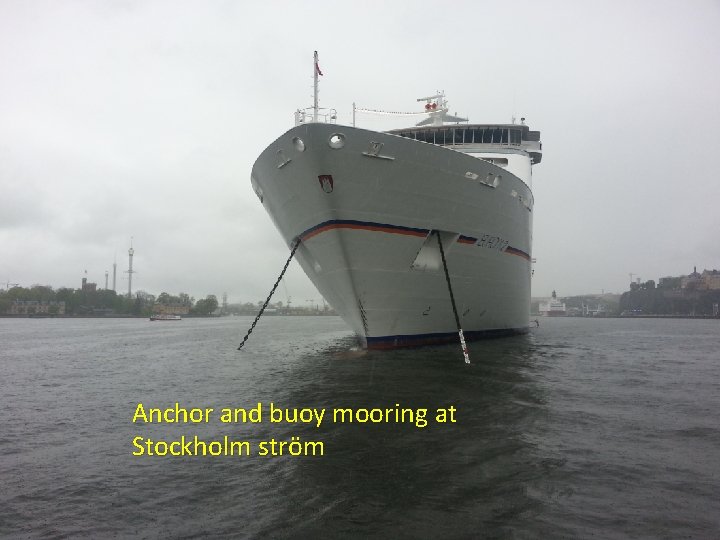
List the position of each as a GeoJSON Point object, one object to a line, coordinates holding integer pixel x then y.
{"type": "Point", "coordinates": [143, 119]}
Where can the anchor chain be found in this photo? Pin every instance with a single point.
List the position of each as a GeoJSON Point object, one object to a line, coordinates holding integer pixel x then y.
{"type": "Point", "coordinates": [267, 300]}
{"type": "Point", "coordinates": [452, 300]}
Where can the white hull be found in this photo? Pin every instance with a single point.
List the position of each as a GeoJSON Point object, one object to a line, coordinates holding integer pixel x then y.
{"type": "Point", "coordinates": [360, 241]}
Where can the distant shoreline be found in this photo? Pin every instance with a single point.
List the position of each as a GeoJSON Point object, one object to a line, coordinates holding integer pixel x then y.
{"type": "Point", "coordinates": [120, 316]}
{"type": "Point", "coordinates": [648, 316]}
{"type": "Point", "coordinates": [539, 317]}
{"type": "Point", "coordinates": [667, 317]}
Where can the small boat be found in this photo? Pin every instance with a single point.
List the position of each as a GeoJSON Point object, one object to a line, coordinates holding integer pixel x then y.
{"type": "Point", "coordinates": [165, 317]}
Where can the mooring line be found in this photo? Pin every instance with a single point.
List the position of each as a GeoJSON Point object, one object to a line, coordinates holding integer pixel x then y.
{"type": "Point", "coordinates": [267, 300]}
{"type": "Point", "coordinates": [452, 300]}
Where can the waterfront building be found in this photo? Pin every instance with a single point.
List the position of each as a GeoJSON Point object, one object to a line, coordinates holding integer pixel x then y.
{"type": "Point", "coordinates": [171, 309]}
{"type": "Point", "coordinates": [711, 279]}
{"type": "Point", "coordinates": [35, 307]}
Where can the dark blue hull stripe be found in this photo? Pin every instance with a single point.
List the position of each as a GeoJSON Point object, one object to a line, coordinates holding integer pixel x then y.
{"type": "Point", "coordinates": [418, 340]}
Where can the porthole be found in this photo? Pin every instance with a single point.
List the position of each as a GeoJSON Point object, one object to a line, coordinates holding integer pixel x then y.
{"type": "Point", "coordinates": [299, 144]}
{"type": "Point", "coordinates": [336, 141]}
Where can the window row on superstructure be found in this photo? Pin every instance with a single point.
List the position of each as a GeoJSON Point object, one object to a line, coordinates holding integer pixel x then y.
{"type": "Point", "coordinates": [506, 135]}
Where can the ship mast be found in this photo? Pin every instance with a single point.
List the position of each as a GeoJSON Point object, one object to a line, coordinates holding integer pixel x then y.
{"type": "Point", "coordinates": [316, 72]}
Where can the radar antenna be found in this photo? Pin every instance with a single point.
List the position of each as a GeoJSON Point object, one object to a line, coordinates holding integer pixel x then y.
{"type": "Point", "coordinates": [436, 107]}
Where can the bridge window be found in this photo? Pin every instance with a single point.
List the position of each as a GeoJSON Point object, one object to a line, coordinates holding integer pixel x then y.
{"type": "Point", "coordinates": [470, 135]}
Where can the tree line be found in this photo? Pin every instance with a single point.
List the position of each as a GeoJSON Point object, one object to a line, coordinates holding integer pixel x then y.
{"type": "Point", "coordinates": [104, 301]}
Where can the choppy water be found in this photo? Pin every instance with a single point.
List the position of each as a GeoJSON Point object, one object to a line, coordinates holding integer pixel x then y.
{"type": "Point", "coordinates": [584, 428]}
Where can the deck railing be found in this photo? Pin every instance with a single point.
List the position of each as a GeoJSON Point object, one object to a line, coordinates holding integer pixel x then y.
{"type": "Point", "coordinates": [324, 116]}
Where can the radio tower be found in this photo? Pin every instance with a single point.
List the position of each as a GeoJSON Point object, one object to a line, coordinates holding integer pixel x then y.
{"type": "Point", "coordinates": [114, 270]}
{"type": "Point", "coordinates": [130, 271]}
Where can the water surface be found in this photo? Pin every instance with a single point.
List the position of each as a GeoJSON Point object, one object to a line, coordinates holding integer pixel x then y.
{"type": "Point", "coordinates": [606, 428]}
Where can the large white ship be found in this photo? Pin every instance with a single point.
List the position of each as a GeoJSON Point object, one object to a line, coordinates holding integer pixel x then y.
{"type": "Point", "coordinates": [368, 207]}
